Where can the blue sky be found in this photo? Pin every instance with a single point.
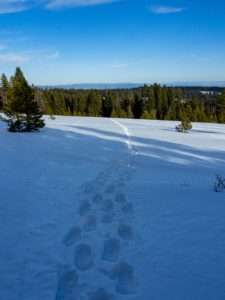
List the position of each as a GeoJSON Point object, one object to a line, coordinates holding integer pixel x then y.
{"type": "Point", "coordinates": [73, 41]}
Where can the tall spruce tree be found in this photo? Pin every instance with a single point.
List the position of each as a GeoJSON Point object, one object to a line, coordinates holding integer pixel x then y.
{"type": "Point", "coordinates": [4, 90]}
{"type": "Point", "coordinates": [21, 107]}
{"type": "Point", "coordinates": [107, 105]}
{"type": "Point", "coordinates": [221, 108]}
{"type": "Point", "coordinates": [94, 103]}
{"type": "Point", "coordinates": [138, 107]}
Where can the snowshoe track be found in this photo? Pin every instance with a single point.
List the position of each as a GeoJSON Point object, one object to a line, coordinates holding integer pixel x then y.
{"type": "Point", "coordinates": [103, 204]}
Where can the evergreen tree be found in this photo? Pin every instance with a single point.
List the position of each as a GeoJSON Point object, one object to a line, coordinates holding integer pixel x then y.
{"type": "Point", "coordinates": [188, 111]}
{"type": "Point", "coordinates": [158, 100]}
{"type": "Point", "coordinates": [107, 105]}
{"type": "Point", "coordinates": [221, 108]}
{"type": "Point", "coordinates": [126, 108]}
{"type": "Point", "coordinates": [185, 124]}
{"type": "Point", "coordinates": [4, 83]}
{"type": "Point", "coordinates": [138, 107]}
{"type": "Point", "coordinates": [4, 90]}
{"type": "Point", "coordinates": [151, 102]}
{"type": "Point", "coordinates": [21, 107]}
{"type": "Point", "coordinates": [93, 104]}
{"type": "Point", "coordinates": [164, 103]}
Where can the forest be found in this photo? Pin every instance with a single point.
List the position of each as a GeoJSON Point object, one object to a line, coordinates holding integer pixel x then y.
{"type": "Point", "coordinates": [147, 102]}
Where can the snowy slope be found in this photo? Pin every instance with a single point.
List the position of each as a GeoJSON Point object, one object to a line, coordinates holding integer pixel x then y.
{"type": "Point", "coordinates": [100, 209]}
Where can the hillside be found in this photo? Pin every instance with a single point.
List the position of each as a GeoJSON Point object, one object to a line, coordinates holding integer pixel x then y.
{"type": "Point", "coordinates": [102, 209]}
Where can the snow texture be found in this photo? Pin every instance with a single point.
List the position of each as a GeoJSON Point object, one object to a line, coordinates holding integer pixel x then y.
{"type": "Point", "coordinates": [104, 209]}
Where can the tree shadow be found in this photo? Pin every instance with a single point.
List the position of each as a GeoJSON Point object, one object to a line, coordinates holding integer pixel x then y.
{"type": "Point", "coordinates": [151, 149]}
{"type": "Point", "coordinates": [196, 131]}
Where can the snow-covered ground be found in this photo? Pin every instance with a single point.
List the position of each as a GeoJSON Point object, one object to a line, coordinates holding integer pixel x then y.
{"type": "Point", "coordinates": [100, 209]}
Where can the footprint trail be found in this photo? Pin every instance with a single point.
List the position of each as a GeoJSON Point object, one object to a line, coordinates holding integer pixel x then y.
{"type": "Point", "coordinates": [100, 237]}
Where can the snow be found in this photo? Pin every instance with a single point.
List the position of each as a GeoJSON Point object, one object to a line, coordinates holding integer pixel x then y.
{"type": "Point", "coordinates": [101, 209]}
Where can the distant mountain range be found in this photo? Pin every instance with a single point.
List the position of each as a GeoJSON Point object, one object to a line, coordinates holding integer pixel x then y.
{"type": "Point", "coordinates": [98, 86]}
{"type": "Point", "coordinates": [219, 84]}
{"type": "Point", "coordinates": [107, 86]}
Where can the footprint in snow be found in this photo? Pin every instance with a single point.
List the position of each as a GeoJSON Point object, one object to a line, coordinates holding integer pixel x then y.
{"type": "Point", "coordinates": [107, 205]}
{"type": "Point", "coordinates": [107, 218]}
{"type": "Point", "coordinates": [97, 199]}
{"type": "Point", "coordinates": [123, 275]}
{"type": "Point", "coordinates": [85, 208]}
{"type": "Point", "coordinates": [83, 258]}
{"type": "Point", "coordinates": [88, 188]}
{"type": "Point", "coordinates": [101, 294]}
{"type": "Point", "coordinates": [90, 223]}
{"type": "Point", "coordinates": [111, 250]}
{"type": "Point", "coordinates": [110, 189]}
{"type": "Point", "coordinates": [73, 236]}
{"type": "Point", "coordinates": [67, 286]}
{"type": "Point", "coordinates": [125, 232]}
{"type": "Point", "coordinates": [120, 198]}
{"type": "Point", "coordinates": [127, 208]}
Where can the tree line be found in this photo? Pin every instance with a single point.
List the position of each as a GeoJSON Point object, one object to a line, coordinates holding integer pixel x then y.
{"type": "Point", "coordinates": [147, 102]}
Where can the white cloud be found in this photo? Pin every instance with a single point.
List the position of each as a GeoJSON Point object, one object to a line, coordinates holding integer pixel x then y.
{"type": "Point", "coordinates": [8, 56]}
{"type": "Point", "coordinates": [14, 6]}
{"type": "Point", "coordinates": [53, 4]}
{"type": "Point", "coordinates": [163, 10]}
{"type": "Point", "coordinates": [53, 55]}
{"type": "Point", "coordinates": [13, 58]}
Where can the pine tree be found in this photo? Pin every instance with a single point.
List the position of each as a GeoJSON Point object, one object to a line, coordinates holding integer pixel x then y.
{"type": "Point", "coordinates": [221, 108]}
{"type": "Point", "coordinates": [4, 83]}
{"type": "Point", "coordinates": [172, 112]}
{"type": "Point", "coordinates": [21, 107]}
{"type": "Point", "coordinates": [94, 104]}
{"type": "Point", "coordinates": [185, 124]}
{"type": "Point", "coordinates": [4, 90]}
{"type": "Point", "coordinates": [138, 107]}
{"type": "Point", "coordinates": [107, 105]}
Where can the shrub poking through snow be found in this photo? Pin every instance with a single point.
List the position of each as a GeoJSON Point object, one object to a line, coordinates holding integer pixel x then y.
{"type": "Point", "coordinates": [185, 126]}
{"type": "Point", "coordinates": [52, 117]}
{"type": "Point", "coordinates": [219, 185]}
{"type": "Point", "coordinates": [21, 107]}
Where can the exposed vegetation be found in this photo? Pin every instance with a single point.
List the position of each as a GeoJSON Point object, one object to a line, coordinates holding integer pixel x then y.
{"type": "Point", "coordinates": [219, 185]}
{"type": "Point", "coordinates": [20, 104]}
{"type": "Point", "coordinates": [185, 125]}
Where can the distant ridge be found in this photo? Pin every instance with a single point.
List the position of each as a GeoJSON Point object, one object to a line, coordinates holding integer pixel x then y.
{"type": "Point", "coordinates": [97, 86]}
{"type": "Point", "coordinates": [219, 84]}
{"type": "Point", "coordinates": [112, 86]}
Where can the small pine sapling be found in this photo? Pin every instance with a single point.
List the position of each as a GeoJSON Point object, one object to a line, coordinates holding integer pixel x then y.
{"type": "Point", "coordinates": [219, 185]}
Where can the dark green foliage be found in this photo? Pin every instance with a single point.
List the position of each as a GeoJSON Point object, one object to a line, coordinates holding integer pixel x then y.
{"type": "Point", "coordinates": [4, 83]}
{"type": "Point", "coordinates": [185, 125]}
{"type": "Point", "coordinates": [221, 108]}
{"type": "Point", "coordinates": [21, 106]}
{"type": "Point", "coordinates": [138, 106]}
{"type": "Point", "coordinates": [147, 102]}
{"type": "Point", "coordinates": [107, 105]}
{"type": "Point", "coordinates": [4, 89]}
{"type": "Point", "coordinates": [93, 107]}
{"type": "Point", "coordinates": [219, 185]}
